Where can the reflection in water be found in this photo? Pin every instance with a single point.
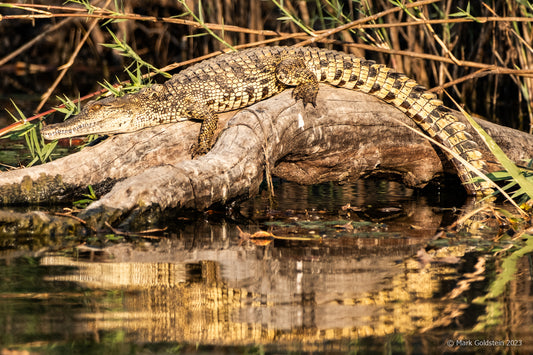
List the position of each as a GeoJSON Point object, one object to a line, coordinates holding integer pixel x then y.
{"type": "Point", "coordinates": [218, 294]}
{"type": "Point", "coordinates": [203, 285]}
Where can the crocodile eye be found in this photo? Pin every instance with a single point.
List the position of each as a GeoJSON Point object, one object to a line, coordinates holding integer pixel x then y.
{"type": "Point", "coordinates": [95, 107]}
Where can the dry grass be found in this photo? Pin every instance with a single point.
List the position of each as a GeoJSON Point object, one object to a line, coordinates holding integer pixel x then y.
{"type": "Point", "coordinates": [484, 56]}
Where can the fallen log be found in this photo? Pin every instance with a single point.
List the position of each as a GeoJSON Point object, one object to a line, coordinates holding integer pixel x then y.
{"type": "Point", "coordinates": [349, 135]}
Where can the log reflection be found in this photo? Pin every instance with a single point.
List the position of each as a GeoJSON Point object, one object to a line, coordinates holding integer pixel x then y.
{"type": "Point", "coordinates": [206, 288]}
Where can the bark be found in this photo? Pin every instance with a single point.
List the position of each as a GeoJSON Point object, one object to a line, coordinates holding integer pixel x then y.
{"type": "Point", "coordinates": [349, 135]}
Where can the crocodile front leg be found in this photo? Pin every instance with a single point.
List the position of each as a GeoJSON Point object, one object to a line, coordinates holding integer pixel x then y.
{"type": "Point", "coordinates": [290, 71]}
{"type": "Point", "coordinates": [209, 118]}
{"type": "Point", "coordinates": [294, 72]}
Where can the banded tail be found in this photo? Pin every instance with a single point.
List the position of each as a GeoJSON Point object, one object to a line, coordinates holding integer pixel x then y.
{"type": "Point", "coordinates": [348, 71]}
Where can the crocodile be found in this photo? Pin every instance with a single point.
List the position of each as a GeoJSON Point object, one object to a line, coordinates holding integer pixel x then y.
{"type": "Point", "coordinates": [234, 80]}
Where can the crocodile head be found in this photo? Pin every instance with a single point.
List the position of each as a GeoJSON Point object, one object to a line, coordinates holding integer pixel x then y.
{"type": "Point", "coordinates": [108, 116]}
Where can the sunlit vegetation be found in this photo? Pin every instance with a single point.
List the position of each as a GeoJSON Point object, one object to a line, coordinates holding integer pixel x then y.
{"type": "Point", "coordinates": [480, 53]}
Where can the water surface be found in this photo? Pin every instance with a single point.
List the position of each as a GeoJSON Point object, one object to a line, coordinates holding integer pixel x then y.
{"type": "Point", "coordinates": [349, 278]}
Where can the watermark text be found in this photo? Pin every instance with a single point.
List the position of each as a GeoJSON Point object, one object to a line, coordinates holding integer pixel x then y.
{"type": "Point", "coordinates": [482, 342]}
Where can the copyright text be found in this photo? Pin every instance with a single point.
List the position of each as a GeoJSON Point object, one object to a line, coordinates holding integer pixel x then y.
{"type": "Point", "coordinates": [482, 342]}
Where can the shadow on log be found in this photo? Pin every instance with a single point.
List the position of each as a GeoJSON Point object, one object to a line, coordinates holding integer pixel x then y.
{"type": "Point", "coordinates": [349, 135]}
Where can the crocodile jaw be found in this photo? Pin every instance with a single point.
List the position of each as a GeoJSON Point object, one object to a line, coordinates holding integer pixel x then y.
{"type": "Point", "coordinates": [107, 116]}
{"type": "Point", "coordinates": [68, 129]}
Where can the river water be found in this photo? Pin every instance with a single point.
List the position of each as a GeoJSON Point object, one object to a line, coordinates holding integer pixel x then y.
{"type": "Point", "coordinates": [354, 268]}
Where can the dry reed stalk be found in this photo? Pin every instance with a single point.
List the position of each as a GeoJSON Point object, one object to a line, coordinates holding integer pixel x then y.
{"type": "Point", "coordinates": [34, 40]}
{"type": "Point", "coordinates": [408, 41]}
{"type": "Point", "coordinates": [363, 20]}
{"type": "Point", "coordinates": [438, 58]}
{"type": "Point", "coordinates": [64, 68]}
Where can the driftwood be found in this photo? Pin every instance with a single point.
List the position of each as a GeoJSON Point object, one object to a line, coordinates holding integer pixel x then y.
{"type": "Point", "coordinates": [349, 135]}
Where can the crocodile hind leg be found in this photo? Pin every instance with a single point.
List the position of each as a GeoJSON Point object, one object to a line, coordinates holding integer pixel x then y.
{"type": "Point", "coordinates": [294, 72]}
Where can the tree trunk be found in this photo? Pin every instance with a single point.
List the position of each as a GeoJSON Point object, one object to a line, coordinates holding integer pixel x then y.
{"type": "Point", "coordinates": [348, 135]}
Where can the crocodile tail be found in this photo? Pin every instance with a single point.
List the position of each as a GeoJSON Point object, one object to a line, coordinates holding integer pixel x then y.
{"type": "Point", "coordinates": [347, 71]}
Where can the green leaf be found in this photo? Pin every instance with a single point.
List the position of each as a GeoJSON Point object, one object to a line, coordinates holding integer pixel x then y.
{"type": "Point", "coordinates": [508, 270]}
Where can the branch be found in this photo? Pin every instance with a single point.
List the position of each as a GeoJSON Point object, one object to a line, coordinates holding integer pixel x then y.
{"type": "Point", "coordinates": [349, 135]}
